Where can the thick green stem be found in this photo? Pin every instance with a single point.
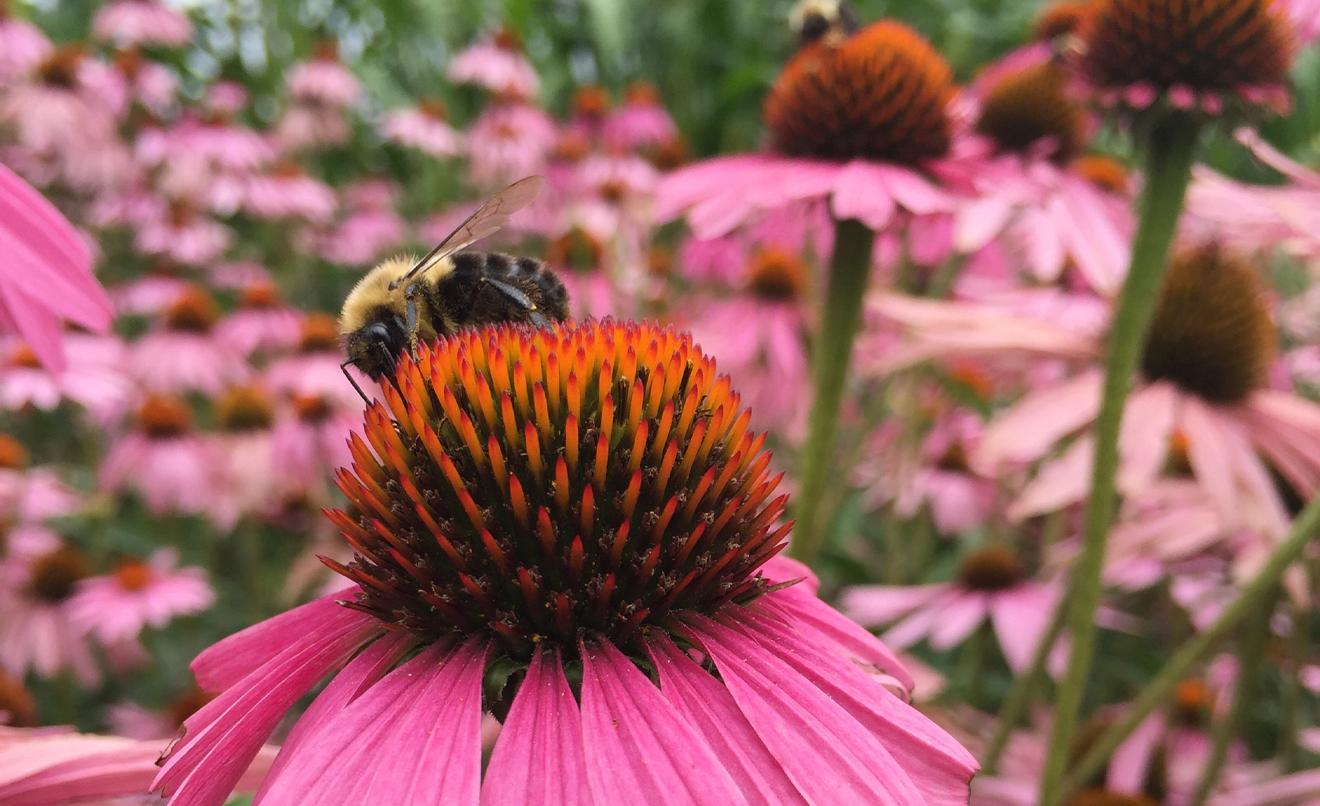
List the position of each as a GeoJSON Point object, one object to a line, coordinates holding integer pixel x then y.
{"type": "Point", "coordinates": [1252, 640]}
{"type": "Point", "coordinates": [845, 288]}
{"type": "Point", "coordinates": [1253, 595]}
{"type": "Point", "coordinates": [1023, 691]}
{"type": "Point", "coordinates": [1170, 147]}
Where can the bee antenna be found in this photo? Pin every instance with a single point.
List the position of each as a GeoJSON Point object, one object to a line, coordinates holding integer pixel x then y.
{"type": "Point", "coordinates": [344, 369]}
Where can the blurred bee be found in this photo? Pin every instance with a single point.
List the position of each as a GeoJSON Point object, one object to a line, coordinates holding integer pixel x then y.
{"type": "Point", "coordinates": [830, 20]}
{"type": "Point", "coordinates": [399, 301]}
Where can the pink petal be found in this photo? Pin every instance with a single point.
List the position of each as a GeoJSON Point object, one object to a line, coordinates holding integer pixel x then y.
{"type": "Point", "coordinates": [832, 627]}
{"type": "Point", "coordinates": [704, 702]}
{"type": "Point", "coordinates": [980, 221]}
{"type": "Point", "coordinates": [911, 190]}
{"type": "Point", "coordinates": [1020, 617]}
{"type": "Point", "coordinates": [859, 193]}
{"type": "Point", "coordinates": [638, 748]}
{"type": "Point", "coordinates": [1037, 422]}
{"type": "Point", "coordinates": [1059, 482]}
{"type": "Point", "coordinates": [959, 617]}
{"type": "Point", "coordinates": [539, 754]}
{"type": "Point", "coordinates": [880, 604]}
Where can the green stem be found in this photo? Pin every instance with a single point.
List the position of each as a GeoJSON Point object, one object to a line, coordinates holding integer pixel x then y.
{"type": "Point", "coordinates": [1252, 639]}
{"type": "Point", "coordinates": [1022, 692]}
{"type": "Point", "coordinates": [1170, 148]}
{"type": "Point", "coordinates": [1253, 595]}
{"type": "Point", "coordinates": [1298, 650]}
{"type": "Point", "coordinates": [850, 267]}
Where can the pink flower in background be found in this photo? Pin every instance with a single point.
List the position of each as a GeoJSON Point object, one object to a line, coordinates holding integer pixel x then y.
{"type": "Point", "coordinates": [30, 494]}
{"type": "Point", "coordinates": [990, 588]}
{"type": "Point", "coordinates": [581, 257]}
{"type": "Point", "coordinates": [48, 277]}
{"type": "Point", "coordinates": [22, 46]}
{"type": "Point", "coordinates": [309, 126]}
{"type": "Point", "coordinates": [313, 370]}
{"type": "Point", "coordinates": [248, 482]}
{"type": "Point", "coordinates": [262, 322]}
{"type": "Point", "coordinates": [324, 80]}
{"type": "Point", "coordinates": [181, 353]}
{"type": "Point", "coordinates": [424, 128]}
{"type": "Point", "coordinates": [139, 594]}
{"type": "Point", "coordinates": [152, 292]}
{"type": "Point", "coordinates": [640, 123]}
{"type": "Point", "coordinates": [309, 439]}
{"type": "Point", "coordinates": [141, 22]}
{"type": "Point", "coordinates": [149, 83]}
{"type": "Point", "coordinates": [367, 227]}
{"type": "Point", "coordinates": [38, 575]}
{"type": "Point", "coordinates": [96, 377]}
{"type": "Point", "coordinates": [496, 64]}
{"type": "Point", "coordinates": [508, 142]}
{"type": "Point", "coordinates": [288, 192]}
{"type": "Point", "coordinates": [176, 230]}
{"type": "Point", "coordinates": [163, 460]}
{"type": "Point", "coordinates": [225, 98]}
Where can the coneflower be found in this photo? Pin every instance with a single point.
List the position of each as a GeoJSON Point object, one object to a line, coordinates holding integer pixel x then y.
{"type": "Point", "coordinates": [575, 530]}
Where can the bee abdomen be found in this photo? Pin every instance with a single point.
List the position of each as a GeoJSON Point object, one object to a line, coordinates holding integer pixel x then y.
{"type": "Point", "coordinates": [469, 301]}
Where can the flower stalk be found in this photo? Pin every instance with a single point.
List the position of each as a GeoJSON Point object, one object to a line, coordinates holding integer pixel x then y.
{"type": "Point", "coordinates": [1170, 146]}
{"type": "Point", "coordinates": [850, 266]}
{"type": "Point", "coordinates": [1253, 596]}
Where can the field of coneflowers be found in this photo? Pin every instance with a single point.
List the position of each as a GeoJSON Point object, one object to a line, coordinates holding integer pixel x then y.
{"type": "Point", "coordinates": [934, 417]}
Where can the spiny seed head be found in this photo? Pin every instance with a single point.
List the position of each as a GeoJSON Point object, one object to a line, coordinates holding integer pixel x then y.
{"type": "Point", "coordinates": [1103, 797]}
{"type": "Point", "coordinates": [576, 250]}
{"type": "Point", "coordinates": [13, 456]}
{"type": "Point", "coordinates": [260, 295]}
{"type": "Point", "coordinates": [1104, 172]}
{"type": "Point", "coordinates": [320, 334]}
{"type": "Point", "coordinates": [24, 356]}
{"type": "Point", "coordinates": [992, 568]}
{"type": "Point", "coordinates": [244, 408]}
{"type": "Point", "coordinates": [777, 275]}
{"type": "Point", "coordinates": [1207, 46]}
{"type": "Point", "coordinates": [882, 94]}
{"type": "Point", "coordinates": [1211, 335]}
{"type": "Point", "coordinates": [1028, 107]}
{"type": "Point", "coordinates": [195, 311]}
{"type": "Point", "coordinates": [54, 575]}
{"type": "Point", "coordinates": [16, 703]}
{"type": "Point", "coordinates": [1193, 701]}
{"type": "Point", "coordinates": [163, 417]}
{"type": "Point", "coordinates": [591, 101]}
{"type": "Point", "coordinates": [544, 485]}
{"type": "Point", "coordinates": [134, 574]}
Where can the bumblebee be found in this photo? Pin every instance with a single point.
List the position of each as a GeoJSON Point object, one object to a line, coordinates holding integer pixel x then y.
{"type": "Point", "coordinates": [830, 20]}
{"type": "Point", "coordinates": [401, 301]}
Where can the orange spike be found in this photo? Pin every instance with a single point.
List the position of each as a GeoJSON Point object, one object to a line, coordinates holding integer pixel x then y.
{"type": "Point", "coordinates": [602, 462]}
{"type": "Point", "coordinates": [616, 547]}
{"type": "Point", "coordinates": [518, 503]}
{"type": "Point", "coordinates": [562, 490]}
{"type": "Point", "coordinates": [545, 532]}
{"type": "Point", "coordinates": [638, 447]}
{"type": "Point", "coordinates": [495, 455]}
{"type": "Point", "coordinates": [532, 445]}
{"type": "Point", "coordinates": [632, 493]}
{"type": "Point", "coordinates": [661, 484]}
{"type": "Point", "coordinates": [511, 433]}
{"type": "Point", "coordinates": [571, 442]}
{"type": "Point", "coordinates": [587, 512]}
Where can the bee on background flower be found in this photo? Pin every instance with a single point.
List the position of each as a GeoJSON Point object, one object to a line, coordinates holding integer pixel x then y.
{"type": "Point", "coordinates": [401, 301]}
{"type": "Point", "coordinates": [830, 20]}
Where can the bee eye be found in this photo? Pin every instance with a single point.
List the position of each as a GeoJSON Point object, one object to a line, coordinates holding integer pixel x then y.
{"type": "Point", "coordinates": [380, 331]}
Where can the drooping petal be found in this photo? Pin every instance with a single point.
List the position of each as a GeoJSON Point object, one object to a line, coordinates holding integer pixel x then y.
{"type": "Point", "coordinates": [539, 757]}
{"type": "Point", "coordinates": [638, 749]}
{"type": "Point", "coordinates": [1036, 423]}
{"type": "Point", "coordinates": [829, 625]}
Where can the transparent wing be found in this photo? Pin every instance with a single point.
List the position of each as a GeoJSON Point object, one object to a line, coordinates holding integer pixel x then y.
{"type": "Point", "coordinates": [493, 214]}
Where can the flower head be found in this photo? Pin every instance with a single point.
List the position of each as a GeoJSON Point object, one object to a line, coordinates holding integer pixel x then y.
{"type": "Point", "coordinates": [1028, 107]}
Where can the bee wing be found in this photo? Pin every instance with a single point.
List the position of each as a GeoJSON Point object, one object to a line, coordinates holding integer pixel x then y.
{"type": "Point", "coordinates": [492, 215]}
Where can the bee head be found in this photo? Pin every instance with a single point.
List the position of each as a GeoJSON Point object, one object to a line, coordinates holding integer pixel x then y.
{"type": "Point", "coordinates": [374, 348]}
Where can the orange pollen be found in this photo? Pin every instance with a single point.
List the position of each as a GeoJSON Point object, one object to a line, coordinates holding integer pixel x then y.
{"type": "Point", "coordinates": [24, 356]}
{"type": "Point", "coordinates": [161, 417]}
{"type": "Point", "coordinates": [537, 485]}
{"type": "Point", "coordinates": [641, 93]}
{"type": "Point", "coordinates": [992, 568]}
{"type": "Point", "coordinates": [433, 108]}
{"type": "Point", "coordinates": [1104, 172]}
{"type": "Point", "coordinates": [1206, 46]}
{"type": "Point", "coordinates": [882, 94]}
{"type": "Point", "coordinates": [54, 576]}
{"type": "Point", "coordinates": [195, 311]}
{"type": "Point", "coordinates": [16, 702]}
{"type": "Point", "coordinates": [577, 250]}
{"type": "Point", "coordinates": [320, 334]}
{"type": "Point", "coordinates": [1029, 105]}
{"type": "Point", "coordinates": [260, 295]}
{"type": "Point", "coordinates": [312, 408]}
{"type": "Point", "coordinates": [244, 408]}
{"type": "Point", "coordinates": [591, 102]}
{"type": "Point", "coordinates": [13, 456]}
{"type": "Point", "coordinates": [1058, 20]}
{"type": "Point", "coordinates": [134, 575]}
{"type": "Point", "coordinates": [777, 275]}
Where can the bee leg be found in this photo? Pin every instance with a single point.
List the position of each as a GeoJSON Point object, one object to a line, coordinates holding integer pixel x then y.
{"type": "Point", "coordinates": [410, 311]}
{"type": "Point", "coordinates": [524, 301]}
{"type": "Point", "coordinates": [344, 369]}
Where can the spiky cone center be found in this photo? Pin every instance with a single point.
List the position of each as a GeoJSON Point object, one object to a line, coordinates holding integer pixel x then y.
{"type": "Point", "coordinates": [262, 295]}
{"type": "Point", "coordinates": [576, 250]}
{"type": "Point", "coordinates": [320, 334]}
{"type": "Point", "coordinates": [244, 408]}
{"type": "Point", "coordinates": [1193, 701]}
{"type": "Point", "coordinates": [993, 568]}
{"type": "Point", "coordinates": [60, 68]}
{"type": "Point", "coordinates": [16, 702]}
{"type": "Point", "coordinates": [312, 408]}
{"type": "Point", "coordinates": [134, 575]}
{"type": "Point", "coordinates": [164, 417]}
{"type": "Point", "coordinates": [195, 311]}
{"type": "Point", "coordinates": [881, 94]}
{"type": "Point", "coordinates": [1104, 797]}
{"type": "Point", "coordinates": [668, 155]}
{"type": "Point", "coordinates": [1104, 172]}
{"type": "Point", "coordinates": [1207, 46]}
{"type": "Point", "coordinates": [434, 108]}
{"type": "Point", "coordinates": [591, 102]}
{"type": "Point", "coordinates": [1211, 335]}
{"type": "Point", "coordinates": [1029, 107]}
{"type": "Point", "coordinates": [13, 456]}
{"type": "Point", "coordinates": [24, 356]}
{"type": "Point", "coordinates": [641, 93]}
{"type": "Point", "coordinates": [591, 480]}
{"type": "Point", "coordinates": [776, 275]}
{"type": "Point", "coordinates": [54, 575]}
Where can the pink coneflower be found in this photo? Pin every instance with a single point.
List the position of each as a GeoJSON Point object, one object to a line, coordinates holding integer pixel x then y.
{"type": "Point", "coordinates": [496, 64]}
{"type": "Point", "coordinates": [220, 142]}
{"type": "Point", "coordinates": [641, 123]}
{"type": "Point", "coordinates": [22, 45]}
{"type": "Point", "coordinates": [262, 322]}
{"type": "Point", "coordinates": [149, 83]}
{"type": "Point", "coordinates": [139, 594]}
{"type": "Point", "coordinates": [183, 353]}
{"type": "Point", "coordinates": [151, 292]}
{"type": "Point", "coordinates": [309, 439]}
{"type": "Point", "coordinates": [49, 276]}
{"type": "Point", "coordinates": [579, 258]}
{"type": "Point", "coordinates": [990, 588]}
{"type": "Point", "coordinates": [141, 22]}
{"type": "Point", "coordinates": [249, 484]}
{"type": "Point", "coordinates": [288, 192]}
{"type": "Point", "coordinates": [310, 126]}
{"type": "Point", "coordinates": [507, 142]}
{"type": "Point", "coordinates": [17, 707]}
{"type": "Point", "coordinates": [37, 633]}
{"type": "Point", "coordinates": [225, 98]}
{"type": "Point", "coordinates": [424, 128]}
{"type": "Point", "coordinates": [367, 229]}
{"type": "Point", "coordinates": [95, 377]}
{"type": "Point", "coordinates": [838, 132]}
{"type": "Point", "coordinates": [134, 721]}
{"type": "Point", "coordinates": [163, 460]}
{"type": "Point", "coordinates": [1203, 380]}
{"type": "Point", "coordinates": [606, 569]}
{"type": "Point", "coordinates": [54, 113]}
{"type": "Point", "coordinates": [178, 231]}
{"type": "Point", "coordinates": [314, 370]}
{"type": "Point", "coordinates": [56, 765]}
{"type": "Point", "coordinates": [324, 80]}
{"type": "Point", "coordinates": [757, 336]}
{"type": "Point", "coordinates": [30, 494]}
